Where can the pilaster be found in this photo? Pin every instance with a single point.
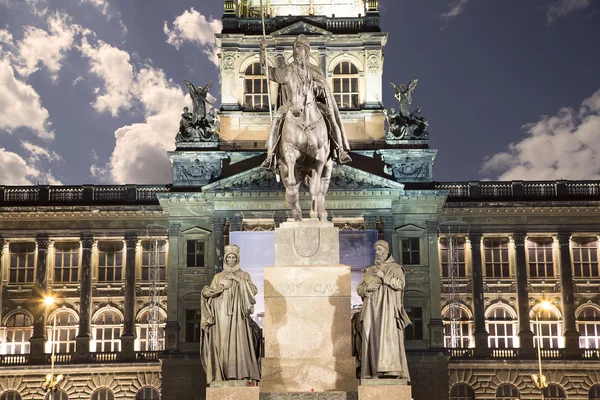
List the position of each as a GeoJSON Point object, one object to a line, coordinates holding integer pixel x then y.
{"type": "Point", "coordinates": [436, 324]}
{"type": "Point", "coordinates": [38, 339]}
{"type": "Point", "coordinates": [218, 226]}
{"type": "Point", "coordinates": [481, 335]}
{"type": "Point", "coordinates": [387, 222]}
{"type": "Point", "coordinates": [525, 332]}
{"type": "Point", "coordinates": [85, 300]}
{"type": "Point", "coordinates": [570, 333]}
{"type": "Point", "coordinates": [128, 337]}
{"type": "Point", "coordinates": [2, 268]}
{"type": "Point", "coordinates": [172, 327]}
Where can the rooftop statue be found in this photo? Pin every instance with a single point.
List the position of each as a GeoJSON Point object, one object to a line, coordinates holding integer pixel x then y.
{"type": "Point", "coordinates": [306, 133]}
{"type": "Point", "coordinates": [380, 324]}
{"type": "Point", "coordinates": [231, 340]}
{"type": "Point", "coordinates": [200, 125]}
{"type": "Point", "coordinates": [406, 124]}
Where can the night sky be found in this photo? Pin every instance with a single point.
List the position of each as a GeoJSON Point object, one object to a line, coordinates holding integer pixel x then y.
{"type": "Point", "coordinates": [91, 90]}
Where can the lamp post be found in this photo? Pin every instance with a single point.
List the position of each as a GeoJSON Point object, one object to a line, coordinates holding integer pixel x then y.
{"type": "Point", "coordinates": [540, 379]}
{"type": "Point", "coordinates": [51, 384]}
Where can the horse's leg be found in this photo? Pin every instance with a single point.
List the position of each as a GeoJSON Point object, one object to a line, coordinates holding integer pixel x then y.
{"type": "Point", "coordinates": [315, 188]}
{"type": "Point", "coordinates": [292, 185]}
{"type": "Point", "coordinates": [323, 188]}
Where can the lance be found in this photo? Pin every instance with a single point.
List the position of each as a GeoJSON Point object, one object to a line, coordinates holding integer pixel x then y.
{"type": "Point", "coordinates": [262, 13]}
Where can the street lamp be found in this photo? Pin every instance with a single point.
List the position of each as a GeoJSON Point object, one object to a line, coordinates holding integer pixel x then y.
{"type": "Point", "coordinates": [51, 384]}
{"type": "Point", "coordinates": [540, 379]}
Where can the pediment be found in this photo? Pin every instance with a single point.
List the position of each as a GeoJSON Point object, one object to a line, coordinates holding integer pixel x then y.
{"type": "Point", "coordinates": [301, 27]}
{"type": "Point", "coordinates": [196, 230]}
{"type": "Point", "coordinates": [410, 228]}
{"type": "Point", "coordinates": [343, 178]}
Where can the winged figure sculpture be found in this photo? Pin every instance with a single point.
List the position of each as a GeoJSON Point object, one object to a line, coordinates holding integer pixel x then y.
{"type": "Point", "coordinates": [404, 96]}
{"type": "Point", "coordinates": [199, 99]}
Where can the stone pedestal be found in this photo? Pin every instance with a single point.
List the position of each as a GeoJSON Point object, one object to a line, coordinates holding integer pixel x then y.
{"type": "Point", "coordinates": [384, 392]}
{"type": "Point", "coordinates": [307, 327]}
{"type": "Point", "coordinates": [232, 393]}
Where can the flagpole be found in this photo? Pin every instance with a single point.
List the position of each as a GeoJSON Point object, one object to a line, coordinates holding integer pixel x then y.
{"type": "Point", "coordinates": [262, 14]}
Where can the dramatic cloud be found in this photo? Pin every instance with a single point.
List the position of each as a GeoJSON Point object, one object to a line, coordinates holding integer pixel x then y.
{"type": "Point", "coordinates": [456, 9]}
{"type": "Point", "coordinates": [20, 104]}
{"type": "Point", "coordinates": [113, 66]}
{"type": "Point", "coordinates": [140, 154]}
{"type": "Point", "coordinates": [46, 48]}
{"type": "Point", "coordinates": [565, 145]}
{"type": "Point", "coordinates": [14, 170]}
{"type": "Point", "coordinates": [564, 7]}
{"type": "Point", "coordinates": [191, 26]}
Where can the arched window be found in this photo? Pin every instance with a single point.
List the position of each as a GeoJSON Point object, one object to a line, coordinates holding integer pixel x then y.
{"type": "Point", "coordinates": [10, 395]}
{"type": "Point", "coordinates": [345, 85]}
{"type": "Point", "coordinates": [145, 329]}
{"type": "Point", "coordinates": [19, 328]}
{"type": "Point", "coordinates": [588, 322]}
{"type": "Point", "coordinates": [58, 395]}
{"type": "Point", "coordinates": [63, 338]}
{"type": "Point", "coordinates": [103, 394]}
{"type": "Point", "coordinates": [462, 391]}
{"type": "Point", "coordinates": [108, 332]}
{"type": "Point", "coordinates": [147, 393]}
{"type": "Point", "coordinates": [457, 332]}
{"type": "Point", "coordinates": [507, 391]}
{"type": "Point", "coordinates": [501, 324]}
{"type": "Point", "coordinates": [594, 392]}
{"type": "Point", "coordinates": [549, 326]}
{"type": "Point", "coordinates": [554, 392]}
{"type": "Point", "coordinates": [255, 89]}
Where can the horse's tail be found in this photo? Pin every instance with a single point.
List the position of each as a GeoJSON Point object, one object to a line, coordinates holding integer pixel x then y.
{"type": "Point", "coordinates": [307, 180]}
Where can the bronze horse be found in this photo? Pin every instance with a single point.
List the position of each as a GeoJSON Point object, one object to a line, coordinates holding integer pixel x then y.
{"type": "Point", "coordinates": [304, 151]}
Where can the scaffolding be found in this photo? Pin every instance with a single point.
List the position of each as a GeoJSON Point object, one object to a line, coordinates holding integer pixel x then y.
{"type": "Point", "coordinates": [154, 278]}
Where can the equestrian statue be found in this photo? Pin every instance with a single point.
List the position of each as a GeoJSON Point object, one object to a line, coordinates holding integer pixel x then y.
{"type": "Point", "coordinates": [307, 133]}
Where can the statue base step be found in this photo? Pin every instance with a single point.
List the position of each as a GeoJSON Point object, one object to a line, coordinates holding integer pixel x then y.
{"type": "Point", "coordinates": [283, 375]}
{"type": "Point", "coordinates": [232, 393]}
{"type": "Point", "coordinates": [310, 396]}
{"type": "Point", "coordinates": [387, 389]}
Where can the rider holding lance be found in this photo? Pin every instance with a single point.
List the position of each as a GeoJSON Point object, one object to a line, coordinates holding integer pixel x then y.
{"type": "Point", "coordinates": [308, 73]}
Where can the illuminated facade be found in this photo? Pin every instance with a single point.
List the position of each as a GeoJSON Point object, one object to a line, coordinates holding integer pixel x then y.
{"type": "Point", "coordinates": [126, 264]}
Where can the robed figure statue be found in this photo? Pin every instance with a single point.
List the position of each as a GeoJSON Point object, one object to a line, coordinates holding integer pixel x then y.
{"type": "Point", "coordinates": [231, 340]}
{"type": "Point", "coordinates": [379, 326]}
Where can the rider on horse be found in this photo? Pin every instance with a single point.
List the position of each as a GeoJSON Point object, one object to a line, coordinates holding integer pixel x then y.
{"type": "Point", "coordinates": [326, 103]}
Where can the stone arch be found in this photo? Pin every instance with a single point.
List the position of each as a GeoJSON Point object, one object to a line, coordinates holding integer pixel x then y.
{"type": "Point", "coordinates": [462, 306]}
{"type": "Point", "coordinates": [107, 308]}
{"type": "Point", "coordinates": [552, 308]}
{"type": "Point", "coordinates": [144, 310]}
{"type": "Point", "coordinates": [145, 379]}
{"type": "Point", "coordinates": [100, 381]}
{"type": "Point", "coordinates": [16, 311]}
{"type": "Point", "coordinates": [62, 310]}
{"type": "Point", "coordinates": [502, 305]}
{"type": "Point", "coordinates": [345, 57]}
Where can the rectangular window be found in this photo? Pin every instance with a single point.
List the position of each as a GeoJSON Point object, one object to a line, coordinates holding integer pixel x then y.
{"type": "Point", "coordinates": [415, 330]}
{"type": "Point", "coordinates": [411, 251]}
{"type": "Point", "coordinates": [22, 262]}
{"type": "Point", "coordinates": [157, 254]}
{"type": "Point", "coordinates": [66, 262]}
{"type": "Point", "coordinates": [110, 261]}
{"type": "Point", "coordinates": [458, 254]}
{"type": "Point", "coordinates": [495, 251]}
{"type": "Point", "coordinates": [541, 262]}
{"type": "Point", "coordinates": [585, 257]}
{"type": "Point", "coordinates": [192, 326]}
{"type": "Point", "coordinates": [195, 253]}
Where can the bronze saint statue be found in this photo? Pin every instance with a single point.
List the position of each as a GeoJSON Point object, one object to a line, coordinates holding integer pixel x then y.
{"type": "Point", "coordinates": [379, 326]}
{"type": "Point", "coordinates": [231, 340]}
{"type": "Point", "coordinates": [306, 133]}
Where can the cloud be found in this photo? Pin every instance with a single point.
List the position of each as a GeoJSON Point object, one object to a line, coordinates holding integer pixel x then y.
{"type": "Point", "coordinates": [192, 26]}
{"type": "Point", "coordinates": [14, 170]}
{"type": "Point", "coordinates": [562, 146]}
{"type": "Point", "coordinates": [108, 11]}
{"type": "Point", "coordinates": [37, 153]}
{"type": "Point", "coordinates": [46, 48]}
{"type": "Point", "coordinates": [562, 8]}
{"type": "Point", "coordinates": [20, 104]}
{"type": "Point", "coordinates": [456, 9]}
{"type": "Point", "coordinates": [140, 154]}
{"type": "Point", "coordinates": [113, 66]}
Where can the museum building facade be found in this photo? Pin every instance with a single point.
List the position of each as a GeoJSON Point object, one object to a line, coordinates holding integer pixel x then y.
{"type": "Point", "coordinates": [502, 277]}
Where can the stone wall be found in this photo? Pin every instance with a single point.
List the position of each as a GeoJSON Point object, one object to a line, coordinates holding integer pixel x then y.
{"type": "Point", "coordinates": [183, 377]}
{"type": "Point", "coordinates": [429, 375]}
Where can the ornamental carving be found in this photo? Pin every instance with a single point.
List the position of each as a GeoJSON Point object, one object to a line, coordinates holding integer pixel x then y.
{"type": "Point", "coordinates": [87, 242]}
{"type": "Point", "coordinates": [198, 172]}
{"type": "Point", "coordinates": [174, 229]}
{"type": "Point", "coordinates": [374, 62]}
{"type": "Point", "coordinates": [228, 63]}
{"type": "Point", "coordinates": [42, 243]}
{"type": "Point", "coordinates": [408, 170]}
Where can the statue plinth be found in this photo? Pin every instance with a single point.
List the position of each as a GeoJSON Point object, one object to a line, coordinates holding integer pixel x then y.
{"type": "Point", "coordinates": [232, 393]}
{"type": "Point", "coordinates": [307, 326]}
{"type": "Point", "coordinates": [384, 389]}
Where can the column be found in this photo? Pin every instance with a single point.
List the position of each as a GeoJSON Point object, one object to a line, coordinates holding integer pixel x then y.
{"type": "Point", "coordinates": [172, 327]}
{"type": "Point", "coordinates": [38, 339]}
{"type": "Point", "coordinates": [570, 333]}
{"type": "Point", "coordinates": [436, 324]}
{"type": "Point", "coordinates": [525, 332]}
{"type": "Point", "coordinates": [85, 300]}
{"type": "Point", "coordinates": [371, 221]}
{"type": "Point", "coordinates": [218, 225]}
{"type": "Point", "coordinates": [481, 335]}
{"type": "Point", "coordinates": [128, 337]}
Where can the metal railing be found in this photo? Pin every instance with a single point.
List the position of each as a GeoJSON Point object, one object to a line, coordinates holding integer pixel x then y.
{"type": "Point", "coordinates": [14, 359]}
